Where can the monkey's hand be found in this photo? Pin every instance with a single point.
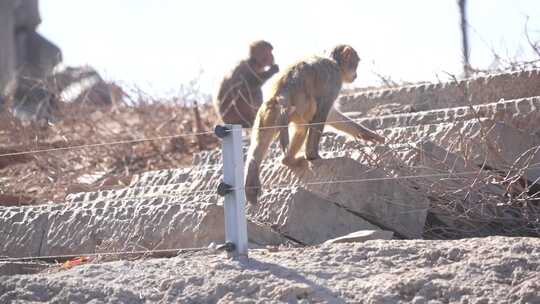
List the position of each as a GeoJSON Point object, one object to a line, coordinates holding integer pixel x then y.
{"type": "Point", "coordinates": [274, 68]}
{"type": "Point", "coordinates": [264, 76]}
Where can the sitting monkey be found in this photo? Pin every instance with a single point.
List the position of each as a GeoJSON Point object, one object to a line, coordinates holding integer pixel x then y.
{"type": "Point", "coordinates": [240, 95]}
{"type": "Point", "coordinates": [303, 96]}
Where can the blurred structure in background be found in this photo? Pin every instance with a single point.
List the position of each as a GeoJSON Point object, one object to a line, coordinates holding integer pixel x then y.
{"type": "Point", "coordinates": [30, 73]}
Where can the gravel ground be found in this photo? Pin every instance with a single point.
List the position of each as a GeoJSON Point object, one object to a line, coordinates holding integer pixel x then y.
{"type": "Point", "coordinates": [481, 270]}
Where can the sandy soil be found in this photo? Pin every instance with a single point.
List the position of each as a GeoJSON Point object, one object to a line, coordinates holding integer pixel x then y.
{"type": "Point", "coordinates": [482, 270]}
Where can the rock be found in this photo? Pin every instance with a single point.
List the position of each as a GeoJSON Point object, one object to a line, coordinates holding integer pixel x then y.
{"type": "Point", "coordinates": [363, 190]}
{"type": "Point", "coordinates": [84, 85]}
{"type": "Point", "coordinates": [304, 216]}
{"type": "Point", "coordinates": [362, 236]}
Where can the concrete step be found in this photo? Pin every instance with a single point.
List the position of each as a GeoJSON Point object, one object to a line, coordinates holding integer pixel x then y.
{"type": "Point", "coordinates": [138, 224]}
{"type": "Point", "coordinates": [448, 94]}
{"type": "Point", "coordinates": [523, 114]}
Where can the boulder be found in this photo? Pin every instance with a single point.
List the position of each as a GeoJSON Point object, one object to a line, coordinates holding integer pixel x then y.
{"type": "Point", "coordinates": [84, 85]}
{"type": "Point", "coordinates": [305, 217]}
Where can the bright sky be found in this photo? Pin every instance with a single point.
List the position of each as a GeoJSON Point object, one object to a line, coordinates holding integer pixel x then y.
{"type": "Point", "coordinates": [160, 44]}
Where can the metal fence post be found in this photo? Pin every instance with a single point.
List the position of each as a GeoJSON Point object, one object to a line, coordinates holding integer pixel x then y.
{"type": "Point", "coordinates": [236, 238]}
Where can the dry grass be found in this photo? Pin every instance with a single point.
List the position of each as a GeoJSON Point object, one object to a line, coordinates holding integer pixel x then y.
{"type": "Point", "coordinates": [40, 177]}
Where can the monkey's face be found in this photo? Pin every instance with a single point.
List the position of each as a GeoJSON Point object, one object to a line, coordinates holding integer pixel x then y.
{"type": "Point", "coordinates": [349, 65]}
{"type": "Point", "coordinates": [347, 59]}
{"type": "Point", "coordinates": [266, 57]}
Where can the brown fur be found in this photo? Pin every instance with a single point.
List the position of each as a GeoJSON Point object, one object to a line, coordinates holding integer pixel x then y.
{"type": "Point", "coordinates": [304, 94]}
{"type": "Point", "coordinates": [240, 94]}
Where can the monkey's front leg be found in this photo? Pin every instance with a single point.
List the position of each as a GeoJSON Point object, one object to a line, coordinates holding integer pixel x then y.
{"type": "Point", "coordinates": [316, 129]}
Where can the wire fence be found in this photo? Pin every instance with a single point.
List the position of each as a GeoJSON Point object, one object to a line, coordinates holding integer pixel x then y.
{"type": "Point", "coordinates": [211, 190]}
{"type": "Point", "coordinates": [130, 253]}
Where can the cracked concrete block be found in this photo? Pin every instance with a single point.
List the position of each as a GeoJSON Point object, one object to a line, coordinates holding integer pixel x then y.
{"type": "Point", "coordinates": [305, 217]}
{"type": "Point", "coordinates": [364, 190]}
{"type": "Point", "coordinates": [22, 230]}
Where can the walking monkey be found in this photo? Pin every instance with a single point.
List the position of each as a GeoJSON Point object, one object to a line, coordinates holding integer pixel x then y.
{"type": "Point", "coordinates": [303, 96]}
{"type": "Point", "coordinates": [240, 95]}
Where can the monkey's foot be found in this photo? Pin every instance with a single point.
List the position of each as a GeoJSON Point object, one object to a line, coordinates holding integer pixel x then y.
{"type": "Point", "coordinates": [312, 157]}
{"type": "Point", "coordinates": [293, 162]}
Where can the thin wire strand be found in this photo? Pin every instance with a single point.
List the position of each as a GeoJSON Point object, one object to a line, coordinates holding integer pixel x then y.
{"type": "Point", "coordinates": [281, 186]}
{"type": "Point", "coordinates": [172, 194]}
{"type": "Point", "coordinates": [67, 256]}
{"type": "Point", "coordinates": [174, 136]}
{"type": "Point", "coordinates": [153, 139]}
{"type": "Point", "coordinates": [121, 142]}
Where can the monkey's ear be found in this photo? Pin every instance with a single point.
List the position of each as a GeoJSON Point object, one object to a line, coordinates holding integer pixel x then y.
{"type": "Point", "coordinates": [347, 53]}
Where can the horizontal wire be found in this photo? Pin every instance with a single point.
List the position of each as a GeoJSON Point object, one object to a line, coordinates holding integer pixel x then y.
{"type": "Point", "coordinates": [151, 139]}
{"type": "Point", "coordinates": [176, 194]}
{"type": "Point", "coordinates": [67, 256]}
{"type": "Point", "coordinates": [174, 136]}
{"type": "Point", "coordinates": [332, 122]}
{"type": "Point", "coordinates": [273, 186]}
{"type": "Point", "coordinates": [121, 142]}
{"type": "Point", "coordinates": [281, 186]}
{"type": "Point", "coordinates": [172, 194]}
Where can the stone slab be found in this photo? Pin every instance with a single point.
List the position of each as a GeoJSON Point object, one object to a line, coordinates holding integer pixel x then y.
{"type": "Point", "coordinates": [362, 236]}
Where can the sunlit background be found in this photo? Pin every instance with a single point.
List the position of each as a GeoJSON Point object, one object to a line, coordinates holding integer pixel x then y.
{"type": "Point", "coordinates": [158, 45]}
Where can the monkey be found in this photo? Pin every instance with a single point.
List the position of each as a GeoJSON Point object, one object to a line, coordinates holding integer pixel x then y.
{"type": "Point", "coordinates": [303, 96]}
{"type": "Point", "coordinates": [240, 95]}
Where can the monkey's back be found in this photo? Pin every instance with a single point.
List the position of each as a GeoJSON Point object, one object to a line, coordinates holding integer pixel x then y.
{"type": "Point", "coordinates": [238, 98]}
{"type": "Point", "coordinates": [316, 77]}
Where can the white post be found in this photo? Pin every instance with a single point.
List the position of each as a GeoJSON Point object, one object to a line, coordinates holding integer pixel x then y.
{"type": "Point", "coordinates": [232, 189]}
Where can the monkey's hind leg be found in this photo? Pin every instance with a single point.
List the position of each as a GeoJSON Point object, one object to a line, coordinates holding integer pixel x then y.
{"type": "Point", "coordinates": [298, 138]}
{"type": "Point", "coordinates": [316, 129]}
{"type": "Point", "coordinates": [262, 135]}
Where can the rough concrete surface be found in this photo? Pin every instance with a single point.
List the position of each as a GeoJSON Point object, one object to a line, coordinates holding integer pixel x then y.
{"type": "Point", "coordinates": [520, 113]}
{"type": "Point", "coordinates": [159, 222]}
{"type": "Point", "coordinates": [481, 270]}
{"type": "Point", "coordinates": [480, 90]}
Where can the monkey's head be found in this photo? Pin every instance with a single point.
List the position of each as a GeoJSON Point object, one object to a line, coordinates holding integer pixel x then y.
{"type": "Point", "coordinates": [347, 59]}
{"type": "Point", "coordinates": [260, 54]}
